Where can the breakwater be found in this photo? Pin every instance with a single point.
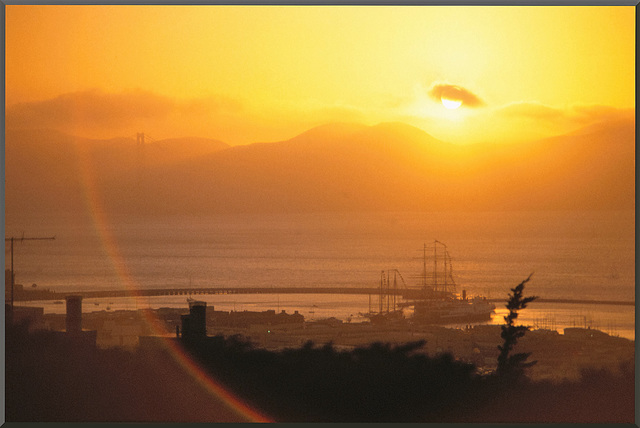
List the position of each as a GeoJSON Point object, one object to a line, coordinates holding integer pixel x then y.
{"type": "Point", "coordinates": [52, 295]}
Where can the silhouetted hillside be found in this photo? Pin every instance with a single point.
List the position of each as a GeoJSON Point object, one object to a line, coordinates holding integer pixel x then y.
{"type": "Point", "coordinates": [386, 383]}
{"type": "Point", "coordinates": [336, 167]}
{"type": "Point", "coordinates": [47, 170]}
{"type": "Point", "coordinates": [50, 380]}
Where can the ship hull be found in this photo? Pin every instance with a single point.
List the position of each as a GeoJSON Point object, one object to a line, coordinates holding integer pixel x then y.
{"type": "Point", "coordinates": [452, 312]}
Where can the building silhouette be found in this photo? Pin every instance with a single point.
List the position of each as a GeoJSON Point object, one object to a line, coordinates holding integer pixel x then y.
{"type": "Point", "coordinates": [194, 324]}
{"type": "Point", "coordinates": [74, 314]}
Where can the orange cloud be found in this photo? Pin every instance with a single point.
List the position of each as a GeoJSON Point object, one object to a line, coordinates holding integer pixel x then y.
{"type": "Point", "coordinates": [438, 91]}
{"type": "Point", "coordinates": [91, 108]}
{"type": "Point", "coordinates": [531, 110]}
{"type": "Point", "coordinates": [578, 114]}
{"type": "Point", "coordinates": [597, 113]}
{"type": "Point", "coordinates": [97, 114]}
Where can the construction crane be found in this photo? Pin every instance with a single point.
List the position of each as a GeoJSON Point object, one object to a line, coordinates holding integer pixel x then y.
{"type": "Point", "coordinates": [21, 239]}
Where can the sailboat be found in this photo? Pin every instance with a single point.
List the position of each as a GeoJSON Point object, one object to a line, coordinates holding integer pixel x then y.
{"type": "Point", "coordinates": [438, 302]}
{"type": "Point", "coordinates": [388, 311]}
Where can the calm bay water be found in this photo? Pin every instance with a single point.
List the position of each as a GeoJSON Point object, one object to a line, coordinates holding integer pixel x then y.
{"type": "Point", "coordinates": [575, 255]}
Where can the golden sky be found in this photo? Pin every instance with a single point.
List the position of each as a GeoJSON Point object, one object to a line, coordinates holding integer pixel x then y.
{"type": "Point", "coordinates": [244, 74]}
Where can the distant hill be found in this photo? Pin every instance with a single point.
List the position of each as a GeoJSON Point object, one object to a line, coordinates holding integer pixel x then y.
{"type": "Point", "coordinates": [335, 167]}
{"type": "Point", "coordinates": [51, 171]}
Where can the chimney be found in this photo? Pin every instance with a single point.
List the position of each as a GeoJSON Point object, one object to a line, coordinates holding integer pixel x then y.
{"type": "Point", "coordinates": [74, 314]}
{"type": "Point", "coordinates": [195, 324]}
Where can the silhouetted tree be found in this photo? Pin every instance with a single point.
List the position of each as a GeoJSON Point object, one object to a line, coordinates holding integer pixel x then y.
{"type": "Point", "coordinates": [513, 365]}
{"type": "Point", "coordinates": [49, 381]}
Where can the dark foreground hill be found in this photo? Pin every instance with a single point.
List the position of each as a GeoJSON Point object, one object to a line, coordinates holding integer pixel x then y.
{"type": "Point", "coordinates": [47, 380]}
{"type": "Point", "coordinates": [339, 167]}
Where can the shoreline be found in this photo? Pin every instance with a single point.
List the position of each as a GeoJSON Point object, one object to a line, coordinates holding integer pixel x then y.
{"type": "Point", "coordinates": [475, 343]}
{"type": "Point", "coordinates": [613, 320]}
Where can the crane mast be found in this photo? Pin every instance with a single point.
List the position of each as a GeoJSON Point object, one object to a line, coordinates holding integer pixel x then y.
{"type": "Point", "coordinates": [21, 239]}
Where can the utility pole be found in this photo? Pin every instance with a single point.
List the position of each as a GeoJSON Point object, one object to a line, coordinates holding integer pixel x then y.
{"type": "Point", "coordinates": [12, 240]}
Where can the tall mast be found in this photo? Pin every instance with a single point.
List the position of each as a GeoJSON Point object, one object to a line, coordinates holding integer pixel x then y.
{"type": "Point", "coordinates": [435, 266]}
{"type": "Point", "coordinates": [395, 288]}
{"type": "Point", "coordinates": [381, 291]}
{"type": "Point", "coordinates": [424, 271]}
{"type": "Point", "coordinates": [388, 283]}
{"type": "Point", "coordinates": [445, 269]}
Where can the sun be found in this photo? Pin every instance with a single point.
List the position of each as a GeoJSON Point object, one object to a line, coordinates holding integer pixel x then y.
{"type": "Point", "coordinates": [450, 104]}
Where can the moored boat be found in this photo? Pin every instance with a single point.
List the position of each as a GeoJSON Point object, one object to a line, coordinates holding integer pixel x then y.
{"type": "Point", "coordinates": [438, 302]}
{"type": "Point", "coordinates": [452, 311]}
{"type": "Point", "coordinates": [396, 316]}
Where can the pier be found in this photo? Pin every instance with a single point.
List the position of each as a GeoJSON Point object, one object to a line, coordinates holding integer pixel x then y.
{"type": "Point", "coordinates": [28, 296]}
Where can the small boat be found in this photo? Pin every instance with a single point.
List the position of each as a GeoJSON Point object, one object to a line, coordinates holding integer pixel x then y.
{"type": "Point", "coordinates": [378, 318]}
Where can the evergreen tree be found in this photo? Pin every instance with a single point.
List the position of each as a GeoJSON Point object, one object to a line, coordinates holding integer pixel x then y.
{"type": "Point", "coordinates": [513, 365]}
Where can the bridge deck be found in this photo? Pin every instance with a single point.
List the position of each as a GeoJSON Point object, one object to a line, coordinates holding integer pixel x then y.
{"type": "Point", "coordinates": [271, 290]}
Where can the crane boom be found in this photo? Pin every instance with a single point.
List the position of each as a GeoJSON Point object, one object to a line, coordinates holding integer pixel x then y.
{"type": "Point", "coordinates": [21, 239]}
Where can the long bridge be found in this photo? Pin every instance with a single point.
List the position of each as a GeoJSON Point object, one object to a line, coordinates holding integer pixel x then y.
{"type": "Point", "coordinates": [402, 292]}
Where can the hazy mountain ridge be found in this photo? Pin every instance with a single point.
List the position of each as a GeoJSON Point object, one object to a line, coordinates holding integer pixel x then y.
{"type": "Point", "coordinates": [334, 167]}
{"type": "Point", "coordinates": [49, 170]}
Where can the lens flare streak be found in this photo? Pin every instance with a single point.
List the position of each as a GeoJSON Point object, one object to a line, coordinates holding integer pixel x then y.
{"type": "Point", "coordinates": [100, 221]}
